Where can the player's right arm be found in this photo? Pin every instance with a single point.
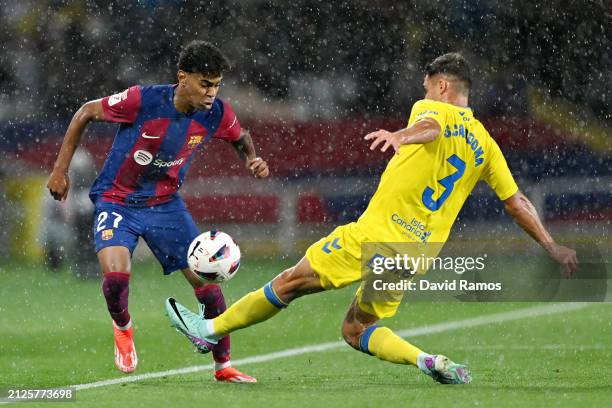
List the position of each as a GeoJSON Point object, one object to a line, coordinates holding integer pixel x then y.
{"type": "Point", "coordinates": [424, 131]}
{"type": "Point", "coordinates": [425, 125]}
{"type": "Point", "coordinates": [497, 175]}
{"type": "Point", "coordinates": [59, 183]}
{"type": "Point", "coordinates": [119, 108]}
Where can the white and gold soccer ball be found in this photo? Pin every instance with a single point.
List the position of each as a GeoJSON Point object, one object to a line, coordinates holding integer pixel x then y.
{"type": "Point", "coordinates": [214, 256]}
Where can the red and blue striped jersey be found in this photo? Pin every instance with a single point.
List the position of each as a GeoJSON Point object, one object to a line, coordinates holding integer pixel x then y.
{"type": "Point", "coordinates": [155, 144]}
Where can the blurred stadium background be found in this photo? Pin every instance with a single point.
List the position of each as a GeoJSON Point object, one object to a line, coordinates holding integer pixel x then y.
{"type": "Point", "coordinates": [310, 79]}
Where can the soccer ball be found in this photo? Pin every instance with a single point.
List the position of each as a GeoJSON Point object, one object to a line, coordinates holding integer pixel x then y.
{"type": "Point", "coordinates": [214, 256]}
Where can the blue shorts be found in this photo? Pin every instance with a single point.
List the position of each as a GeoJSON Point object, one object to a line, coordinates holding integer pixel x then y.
{"type": "Point", "coordinates": [167, 228]}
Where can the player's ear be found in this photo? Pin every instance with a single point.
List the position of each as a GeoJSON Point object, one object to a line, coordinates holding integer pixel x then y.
{"type": "Point", "coordinates": [182, 77]}
{"type": "Point", "coordinates": [442, 85]}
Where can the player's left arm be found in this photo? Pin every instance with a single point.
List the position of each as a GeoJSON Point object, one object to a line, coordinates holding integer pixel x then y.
{"type": "Point", "coordinates": [231, 131]}
{"type": "Point", "coordinates": [498, 176]}
{"type": "Point", "coordinates": [246, 151]}
{"type": "Point", "coordinates": [423, 131]}
{"type": "Point", "coordinates": [526, 216]}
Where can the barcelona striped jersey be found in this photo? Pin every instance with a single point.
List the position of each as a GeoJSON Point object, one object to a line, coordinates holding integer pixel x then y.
{"type": "Point", "coordinates": [155, 144]}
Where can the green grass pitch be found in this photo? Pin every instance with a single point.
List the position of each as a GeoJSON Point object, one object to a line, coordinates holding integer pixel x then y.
{"type": "Point", "coordinates": [55, 331]}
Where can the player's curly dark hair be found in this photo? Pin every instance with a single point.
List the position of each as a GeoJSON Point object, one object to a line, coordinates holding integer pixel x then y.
{"type": "Point", "coordinates": [204, 58]}
{"type": "Point", "coordinates": [453, 64]}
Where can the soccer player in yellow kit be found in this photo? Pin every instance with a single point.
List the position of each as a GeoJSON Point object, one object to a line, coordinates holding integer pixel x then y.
{"type": "Point", "coordinates": [440, 156]}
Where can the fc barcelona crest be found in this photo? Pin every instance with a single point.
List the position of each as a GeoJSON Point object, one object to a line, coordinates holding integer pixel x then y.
{"type": "Point", "coordinates": [107, 234]}
{"type": "Point", "coordinates": [194, 141]}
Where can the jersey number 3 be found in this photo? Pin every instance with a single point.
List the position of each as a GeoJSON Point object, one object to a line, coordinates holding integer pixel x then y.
{"type": "Point", "coordinates": [447, 182]}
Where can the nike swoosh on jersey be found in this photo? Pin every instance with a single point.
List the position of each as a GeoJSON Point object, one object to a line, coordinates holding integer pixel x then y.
{"type": "Point", "coordinates": [149, 136]}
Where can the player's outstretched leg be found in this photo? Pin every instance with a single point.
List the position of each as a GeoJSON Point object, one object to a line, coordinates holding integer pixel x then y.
{"type": "Point", "coordinates": [253, 308]}
{"type": "Point", "coordinates": [212, 304]}
{"type": "Point", "coordinates": [362, 333]}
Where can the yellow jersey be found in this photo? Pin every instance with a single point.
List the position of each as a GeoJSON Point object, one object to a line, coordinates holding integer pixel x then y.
{"type": "Point", "coordinates": [424, 187]}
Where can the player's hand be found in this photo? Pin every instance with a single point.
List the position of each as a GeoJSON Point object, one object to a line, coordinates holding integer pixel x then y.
{"type": "Point", "coordinates": [258, 167]}
{"type": "Point", "coordinates": [58, 185]}
{"type": "Point", "coordinates": [566, 257]}
{"type": "Point", "coordinates": [389, 139]}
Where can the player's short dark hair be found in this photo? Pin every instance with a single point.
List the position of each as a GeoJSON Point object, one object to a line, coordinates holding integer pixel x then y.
{"type": "Point", "coordinates": [203, 57]}
{"type": "Point", "coordinates": [453, 64]}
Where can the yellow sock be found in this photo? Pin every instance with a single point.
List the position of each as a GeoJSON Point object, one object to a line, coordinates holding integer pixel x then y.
{"type": "Point", "coordinates": [386, 345]}
{"type": "Point", "coordinates": [253, 308]}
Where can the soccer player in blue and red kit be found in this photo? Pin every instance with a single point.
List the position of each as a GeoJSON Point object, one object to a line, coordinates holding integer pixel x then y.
{"type": "Point", "coordinates": [136, 193]}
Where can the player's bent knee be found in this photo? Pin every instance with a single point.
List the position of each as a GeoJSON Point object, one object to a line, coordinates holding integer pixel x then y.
{"type": "Point", "coordinates": [351, 333]}
{"type": "Point", "coordinates": [115, 259]}
{"type": "Point", "coordinates": [355, 323]}
{"type": "Point", "coordinates": [193, 279]}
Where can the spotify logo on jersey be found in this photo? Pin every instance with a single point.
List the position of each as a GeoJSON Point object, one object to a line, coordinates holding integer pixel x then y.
{"type": "Point", "coordinates": [143, 157]}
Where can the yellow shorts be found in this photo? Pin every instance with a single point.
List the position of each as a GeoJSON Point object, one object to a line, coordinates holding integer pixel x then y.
{"type": "Point", "coordinates": [337, 261]}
